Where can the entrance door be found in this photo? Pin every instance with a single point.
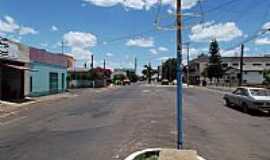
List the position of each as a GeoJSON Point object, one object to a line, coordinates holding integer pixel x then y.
{"type": "Point", "coordinates": [63, 81]}
{"type": "Point", "coordinates": [12, 84]}
{"type": "Point", "coordinates": [53, 80]}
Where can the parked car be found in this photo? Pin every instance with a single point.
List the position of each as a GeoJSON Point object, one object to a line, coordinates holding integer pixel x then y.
{"type": "Point", "coordinates": [174, 82]}
{"type": "Point", "coordinates": [126, 82]}
{"type": "Point", "coordinates": [165, 82]}
{"type": "Point", "coordinates": [249, 99]}
{"type": "Point", "coordinates": [118, 82]}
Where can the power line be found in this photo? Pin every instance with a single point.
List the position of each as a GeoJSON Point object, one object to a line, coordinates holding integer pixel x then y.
{"type": "Point", "coordinates": [259, 32]}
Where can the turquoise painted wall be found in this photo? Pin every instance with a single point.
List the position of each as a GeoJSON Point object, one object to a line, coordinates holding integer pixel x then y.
{"type": "Point", "coordinates": [40, 78]}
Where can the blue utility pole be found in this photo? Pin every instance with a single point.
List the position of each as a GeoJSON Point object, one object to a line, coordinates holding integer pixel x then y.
{"type": "Point", "coordinates": [179, 97]}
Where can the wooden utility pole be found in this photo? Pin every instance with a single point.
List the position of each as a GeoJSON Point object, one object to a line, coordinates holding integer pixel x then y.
{"type": "Point", "coordinates": [180, 133]}
{"type": "Point", "coordinates": [135, 65]}
{"type": "Point", "coordinates": [241, 65]}
{"type": "Point", "coordinates": [104, 64]}
{"type": "Point", "coordinates": [104, 72]}
{"type": "Point", "coordinates": [62, 46]}
{"type": "Point", "coordinates": [92, 61]}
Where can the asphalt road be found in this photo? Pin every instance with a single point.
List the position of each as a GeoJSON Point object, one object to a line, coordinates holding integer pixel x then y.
{"type": "Point", "coordinates": [111, 123]}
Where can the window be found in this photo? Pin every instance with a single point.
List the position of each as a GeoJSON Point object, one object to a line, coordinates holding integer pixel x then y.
{"type": "Point", "coordinates": [260, 92]}
{"type": "Point", "coordinates": [53, 79]}
{"type": "Point", "coordinates": [225, 65]}
{"type": "Point", "coordinates": [237, 92]}
{"type": "Point", "coordinates": [241, 92]}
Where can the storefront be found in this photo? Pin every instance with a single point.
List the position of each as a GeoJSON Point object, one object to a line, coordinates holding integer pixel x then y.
{"type": "Point", "coordinates": [14, 62]}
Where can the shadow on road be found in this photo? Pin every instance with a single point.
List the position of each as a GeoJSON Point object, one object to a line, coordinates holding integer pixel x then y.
{"type": "Point", "coordinates": [254, 113]}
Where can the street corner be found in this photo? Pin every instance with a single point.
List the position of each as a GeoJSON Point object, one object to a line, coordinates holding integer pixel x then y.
{"type": "Point", "coordinates": [7, 111]}
{"type": "Point", "coordinates": [65, 95]}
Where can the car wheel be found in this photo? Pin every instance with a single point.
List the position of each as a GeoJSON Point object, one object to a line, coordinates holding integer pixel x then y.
{"type": "Point", "coordinates": [245, 108]}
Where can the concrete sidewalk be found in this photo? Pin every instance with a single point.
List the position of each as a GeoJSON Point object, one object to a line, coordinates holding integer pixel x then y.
{"type": "Point", "coordinates": [10, 108]}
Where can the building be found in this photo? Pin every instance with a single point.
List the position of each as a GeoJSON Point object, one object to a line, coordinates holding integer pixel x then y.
{"type": "Point", "coordinates": [49, 72]}
{"type": "Point", "coordinates": [26, 71]}
{"type": "Point", "coordinates": [14, 70]}
{"type": "Point", "coordinates": [88, 78]}
{"type": "Point", "coordinates": [252, 69]}
{"type": "Point", "coordinates": [251, 76]}
{"type": "Point", "coordinates": [70, 61]}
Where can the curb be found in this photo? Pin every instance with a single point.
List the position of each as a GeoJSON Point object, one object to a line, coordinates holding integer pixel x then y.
{"type": "Point", "coordinates": [135, 154]}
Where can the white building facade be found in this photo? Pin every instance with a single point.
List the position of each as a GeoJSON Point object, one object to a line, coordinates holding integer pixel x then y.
{"type": "Point", "coordinates": [253, 69]}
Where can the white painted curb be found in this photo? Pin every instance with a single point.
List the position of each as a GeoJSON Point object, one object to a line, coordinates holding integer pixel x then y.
{"type": "Point", "coordinates": [135, 154]}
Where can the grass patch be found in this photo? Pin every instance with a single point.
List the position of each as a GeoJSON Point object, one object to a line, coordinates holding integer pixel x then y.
{"type": "Point", "coordinates": [148, 156]}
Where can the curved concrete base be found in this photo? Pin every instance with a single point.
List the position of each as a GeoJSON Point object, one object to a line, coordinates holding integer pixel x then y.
{"type": "Point", "coordinates": [135, 154]}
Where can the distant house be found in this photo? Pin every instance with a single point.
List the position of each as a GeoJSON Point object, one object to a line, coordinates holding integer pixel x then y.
{"type": "Point", "coordinates": [251, 76]}
{"type": "Point", "coordinates": [253, 69]}
{"type": "Point", "coordinates": [85, 77]}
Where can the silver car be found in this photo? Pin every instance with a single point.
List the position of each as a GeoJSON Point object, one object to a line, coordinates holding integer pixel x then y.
{"type": "Point", "coordinates": [249, 99]}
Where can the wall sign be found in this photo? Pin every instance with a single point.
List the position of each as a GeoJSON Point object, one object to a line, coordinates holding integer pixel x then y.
{"type": "Point", "coordinates": [4, 46]}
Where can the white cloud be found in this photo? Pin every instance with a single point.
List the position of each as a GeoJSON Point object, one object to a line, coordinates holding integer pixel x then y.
{"type": "Point", "coordinates": [234, 52]}
{"type": "Point", "coordinates": [104, 3]}
{"type": "Point", "coordinates": [109, 54]}
{"type": "Point", "coordinates": [162, 49]}
{"type": "Point", "coordinates": [27, 30]}
{"type": "Point", "coordinates": [80, 39]}
{"type": "Point", "coordinates": [266, 25]}
{"type": "Point", "coordinates": [153, 51]}
{"type": "Point", "coordinates": [9, 25]}
{"type": "Point", "coordinates": [262, 41]}
{"type": "Point", "coordinates": [141, 4]}
{"type": "Point", "coordinates": [221, 31]}
{"type": "Point", "coordinates": [54, 28]}
{"type": "Point", "coordinates": [141, 42]}
{"type": "Point", "coordinates": [80, 44]}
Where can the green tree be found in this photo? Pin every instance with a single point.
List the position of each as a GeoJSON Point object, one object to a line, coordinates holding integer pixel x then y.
{"type": "Point", "coordinates": [132, 76]}
{"type": "Point", "coordinates": [169, 69]}
{"type": "Point", "coordinates": [214, 69]}
{"type": "Point", "coordinates": [148, 72]}
{"type": "Point", "coordinates": [266, 75]}
{"type": "Point", "coordinates": [118, 77]}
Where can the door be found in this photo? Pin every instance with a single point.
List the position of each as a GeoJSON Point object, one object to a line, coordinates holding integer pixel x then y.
{"type": "Point", "coordinates": [235, 96]}
{"type": "Point", "coordinates": [63, 81]}
{"type": "Point", "coordinates": [53, 80]}
{"type": "Point", "coordinates": [240, 96]}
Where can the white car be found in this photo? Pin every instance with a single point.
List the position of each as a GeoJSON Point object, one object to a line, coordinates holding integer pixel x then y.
{"type": "Point", "coordinates": [249, 99]}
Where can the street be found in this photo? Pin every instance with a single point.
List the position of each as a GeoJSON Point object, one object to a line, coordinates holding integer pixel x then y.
{"type": "Point", "coordinates": [112, 123]}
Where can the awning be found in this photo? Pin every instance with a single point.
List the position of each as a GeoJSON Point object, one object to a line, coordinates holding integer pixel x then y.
{"type": "Point", "coordinates": [20, 67]}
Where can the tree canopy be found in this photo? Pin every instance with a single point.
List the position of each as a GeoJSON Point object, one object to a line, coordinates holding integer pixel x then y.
{"type": "Point", "coordinates": [214, 69]}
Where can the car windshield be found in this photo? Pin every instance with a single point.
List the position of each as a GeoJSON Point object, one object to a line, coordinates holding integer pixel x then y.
{"type": "Point", "coordinates": [260, 92]}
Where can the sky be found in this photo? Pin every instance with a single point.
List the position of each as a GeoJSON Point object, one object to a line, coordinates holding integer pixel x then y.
{"type": "Point", "coordinates": [120, 30]}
